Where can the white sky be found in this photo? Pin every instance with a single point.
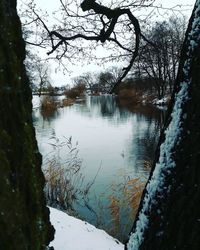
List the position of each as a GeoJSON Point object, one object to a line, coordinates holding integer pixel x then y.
{"type": "Point", "coordinates": [58, 78]}
{"type": "Point", "coordinates": [53, 4]}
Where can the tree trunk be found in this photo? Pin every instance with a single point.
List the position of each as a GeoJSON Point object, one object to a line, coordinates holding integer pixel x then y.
{"type": "Point", "coordinates": [169, 213]}
{"type": "Point", "coordinates": [24, 218]}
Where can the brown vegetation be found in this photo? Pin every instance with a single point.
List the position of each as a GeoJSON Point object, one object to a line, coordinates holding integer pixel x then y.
{"type": "Point", "coordinates": [64, 179]}
{"type": "Point", "coordinates": [76, 91]}
{"type": "Point", "coordinates": [62, 185]}
{"type": "Point", "coordinates": [124, 203]}
{"type": "Point", "coordinates": [67, 102]}
{"type": "Point", "coordinates": [128, 96]}
{"type": "Point", "coordinates": [48, 106]}
{"type": "Point", "coordinates": [115, 216]}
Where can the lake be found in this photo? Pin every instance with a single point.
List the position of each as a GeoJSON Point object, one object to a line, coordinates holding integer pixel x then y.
{"type": "Point", "coordinates": [115, 144]}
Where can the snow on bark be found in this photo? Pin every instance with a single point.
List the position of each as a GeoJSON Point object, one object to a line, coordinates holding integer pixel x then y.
{"type": "Point", "coordinates": [166, 161]}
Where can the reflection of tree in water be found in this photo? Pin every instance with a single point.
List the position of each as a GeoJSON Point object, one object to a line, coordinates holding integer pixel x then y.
{"type": "Point", "coordinates": [145, 139]}
{"type": "Point", "coordinates": [147, 144]}
{"type": "Point", "coordinates": [105, 106]}
{"type": "Point", "coordinates": [146, 130]}
{"type": "Point", "coordinates": [148, 111]}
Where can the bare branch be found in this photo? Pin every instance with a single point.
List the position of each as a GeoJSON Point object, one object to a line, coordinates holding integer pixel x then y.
{"type": "Point", "coordinates": [105, 33]}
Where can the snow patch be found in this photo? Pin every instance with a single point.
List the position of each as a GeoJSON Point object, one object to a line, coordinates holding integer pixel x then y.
{"type": "Point", "coordinates": [160, 102]}
{"type": "Point", "coordinates": [75, 234]}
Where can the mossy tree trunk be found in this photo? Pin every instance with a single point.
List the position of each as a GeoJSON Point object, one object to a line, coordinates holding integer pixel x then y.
{"type": "Point", "coordinates": [170, 218]}
{"type": "Point", "coordinates": [24, 218]}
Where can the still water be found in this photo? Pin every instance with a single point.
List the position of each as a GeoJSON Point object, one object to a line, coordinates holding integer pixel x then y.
{"type": "Point", "coordinates": [113, 140]}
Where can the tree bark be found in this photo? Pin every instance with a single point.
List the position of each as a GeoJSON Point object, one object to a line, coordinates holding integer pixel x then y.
{"type": "Point", "coordinates": [169, 213]}
{"type": "Point", "coordinates": [24, 218]}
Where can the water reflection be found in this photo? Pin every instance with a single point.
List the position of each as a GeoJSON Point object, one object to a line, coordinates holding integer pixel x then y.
{"type": "Point", "coordinates": [109, 134]}
{"type": "Point", "coordinates": [106, 107]}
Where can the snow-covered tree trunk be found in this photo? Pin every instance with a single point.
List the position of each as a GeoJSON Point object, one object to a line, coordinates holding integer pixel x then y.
{"type": "Point", "coordinates": [169, 214]}
{"type": "Point", "coordinates": [24, 218]}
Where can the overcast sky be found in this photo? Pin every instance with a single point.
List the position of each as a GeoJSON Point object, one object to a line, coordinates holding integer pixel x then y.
{"type": "Point", "coordinates": [52, 5]}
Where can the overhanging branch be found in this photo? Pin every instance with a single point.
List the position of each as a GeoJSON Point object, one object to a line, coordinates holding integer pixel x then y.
{"type": "Point", "coordinates": [107, 33]}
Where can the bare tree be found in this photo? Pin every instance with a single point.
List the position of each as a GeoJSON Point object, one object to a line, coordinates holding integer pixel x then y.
{"type": "Point", "coordinates": [159, 59]}
{"type": "Point", "coordinates": [99, 82]}
{"type": "Point", "coordinates": [89, 80]}
{"type": "Point", "coordinates": [43, 71]}
{"type": "Point", "coordinates": [108, 78]}
{"type": "Point", "coordinates": [38, 72]}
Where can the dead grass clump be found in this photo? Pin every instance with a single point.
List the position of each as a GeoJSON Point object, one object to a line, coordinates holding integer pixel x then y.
{"type": "Point", "coordinates": [64, 180]}
{"type": "Point", "coordinates": [128, 203]}
{"type": "Point", "coordinates": [67, 102]}
{"type": "Point", "coordinates": [48, 106]}
{"type": "Point", "coordinates": [62, 186]}
{"type": "Point", "coordinates": [133, 192]}
{"type": "Point", "coordinates": [122, 206]}
{"type": "Point", "coordinates": [116, 212]}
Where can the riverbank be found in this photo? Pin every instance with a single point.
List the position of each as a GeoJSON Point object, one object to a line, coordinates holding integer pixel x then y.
{"type": "Point", "coordinates": [50, 102]}
{"type": "Point", "coordinates": [132, 98]}
{"type": "Point", "coordinates": [75, 234]}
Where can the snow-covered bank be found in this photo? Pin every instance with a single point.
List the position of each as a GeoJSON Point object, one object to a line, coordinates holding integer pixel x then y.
{"type": "Point", "coordinates": [75, 234]}
{"type": "Point", "coordinates": [161, 102]}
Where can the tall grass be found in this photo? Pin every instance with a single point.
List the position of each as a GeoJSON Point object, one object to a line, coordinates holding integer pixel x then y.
{"type": "Point", "coordinates": [64, 179]}
{"type": "Point", "coordinates": [122, 206]}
